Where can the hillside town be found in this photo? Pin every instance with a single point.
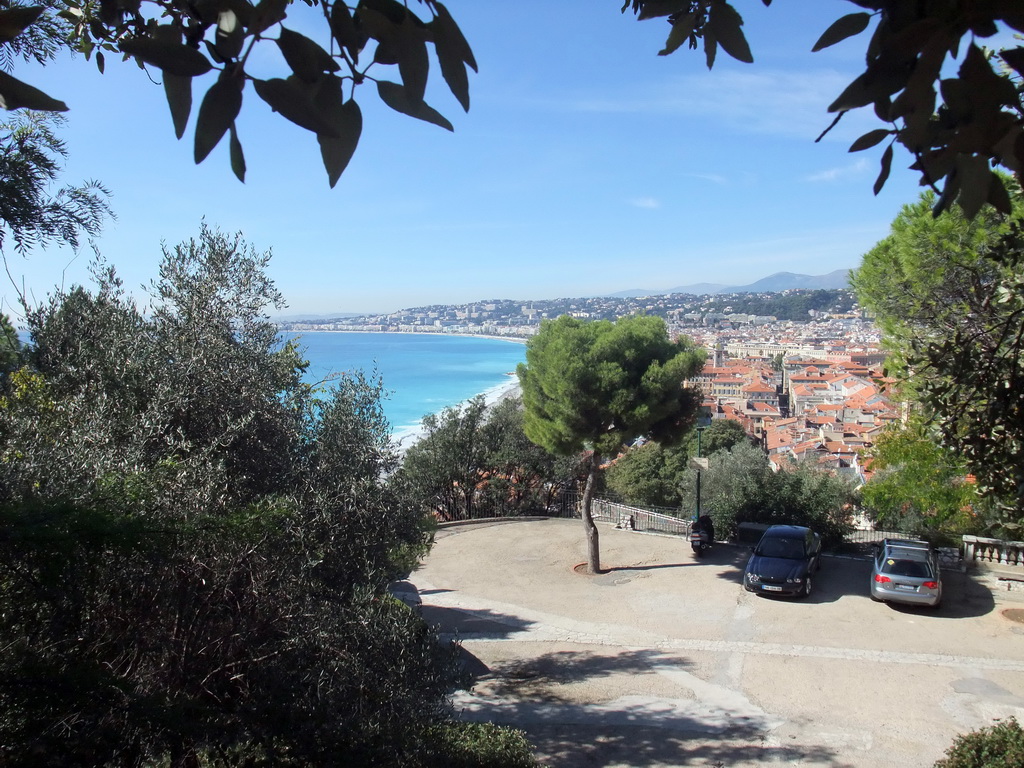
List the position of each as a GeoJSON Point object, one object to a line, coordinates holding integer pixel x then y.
{"type": "Point", "coordinates": [808, 388]}
{"type": "Point", "coordinates": [802, 395]}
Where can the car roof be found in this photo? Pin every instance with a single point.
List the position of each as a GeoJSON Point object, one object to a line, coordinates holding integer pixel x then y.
{"type": "Point", "coordinates": [907, 547]}
{"type": "Point", "coordinates": [907, 553]}
{"type": "Point", "coordinates": [909, 543]}
{"type": "Point", "coordinates": [786, 530]}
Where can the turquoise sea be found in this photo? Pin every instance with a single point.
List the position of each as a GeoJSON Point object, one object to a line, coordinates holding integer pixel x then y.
{"type": "Point", "coordinates": [423, 373]}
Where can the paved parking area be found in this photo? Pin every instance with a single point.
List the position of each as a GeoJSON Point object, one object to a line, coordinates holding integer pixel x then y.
{"type": "Point", "coordinates": [664, 659]}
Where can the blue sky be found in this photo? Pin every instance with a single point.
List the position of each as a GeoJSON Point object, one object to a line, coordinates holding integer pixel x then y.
{"type": "Point", "coordinates": [587, 164]}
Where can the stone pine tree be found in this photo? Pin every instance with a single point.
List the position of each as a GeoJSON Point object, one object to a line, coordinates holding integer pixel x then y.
{"type": "Point", "coordinates": [599, 385]}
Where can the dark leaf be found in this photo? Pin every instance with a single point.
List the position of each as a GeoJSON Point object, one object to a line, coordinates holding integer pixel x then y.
{"type": "Point", "coordinates": [949, 192]}
{"type": "Point", "coordinates": [217, 113]}
{"type": "Point", "coordinates": [413, 61]}
{"type": "Point", "coordinates": [174, 57]}
{"type": "Point", "coordinates": [376, 24]}
{"type": "Point", "coordinates": [178, 91]}
{"type": "Point", "coordinates": [886, 167]}
{"type": "Point", "coordinates": [345, 30]}
{"type": "Point", "coordinates": [101, 61]}
{"type": "Point", "coordinates": [990, 90]}
{"type": "Point", "coordinates": [268, 13]}
{"type": "Point", "coordinates": [294, 100]}
{"type": "Point", "coordinates": [237, 158]}
{"type": "Point", "coordinates": [391, 9]}
{"type": "Point", "coordinates": [394, 95]}
{"type": "Point", "coordinates": [453, 70]}
{"type": "Point", "coordinates": [346, 119]}
{"type": "Point", "coordinates": [842, 28]}
{"type": "Point", "coordinates": [975, 177]}
{"type": "Point", "coordinates": [453, 35]}
{"type": "Point", "coordinates": [211, 48]}
{"type": "Point", "coordinates": [654, 8]}
{"type": "Point", "coordinates": [857, 93]}
{"type": "Point", "coordinates": [1009, 150]}
{"type": "Point", "coordinates": [998, 197]}
{"type": "Point", "coordinates": [15, 94]}
{"type": "Point", "coordinates": [984, 27]}
{"type": "Point", "coordinates": [1015, 58]}
{"type": "Point", "coordinates": [1014, 18]}
{"type": "Point", "coordinates": [454, 55]}
{"type": "Point", "coordinates": [14, 21]}
{"type": "Point", "coordinates": [727, 25]}
{"type": "Point", "coordinates": [386, 52]}
{"type": "Point", "coordinates": [306, 59]}
{"type": "Point", "coordinates": [710, 48]}
{"type": "Point", "coordinates": [869, 139]}
{"type": "Point", "coordinates": [681, 30]}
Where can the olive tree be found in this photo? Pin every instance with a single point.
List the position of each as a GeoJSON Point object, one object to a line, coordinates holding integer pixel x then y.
{"type": "Point", "coordinates": [476, 461]}
{"type": "Point", "coordinates": [195, 549]}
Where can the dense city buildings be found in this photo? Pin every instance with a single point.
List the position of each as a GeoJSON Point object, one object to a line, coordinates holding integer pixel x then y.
{"type": "Point", "coordinates": [802, 373]}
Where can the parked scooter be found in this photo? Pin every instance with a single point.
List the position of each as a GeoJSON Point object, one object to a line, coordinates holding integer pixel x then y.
{"type": "Point", "coordinates": [702, 535]}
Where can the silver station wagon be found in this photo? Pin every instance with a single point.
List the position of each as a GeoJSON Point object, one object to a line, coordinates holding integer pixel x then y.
{"type": "Point", "coordinates": [907, 571]}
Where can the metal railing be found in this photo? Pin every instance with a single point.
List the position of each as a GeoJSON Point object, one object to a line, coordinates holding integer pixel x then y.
{"type": "Point", "coordinates": [638, 519]}
{"type": "Point", "coordinates": [975, 549]}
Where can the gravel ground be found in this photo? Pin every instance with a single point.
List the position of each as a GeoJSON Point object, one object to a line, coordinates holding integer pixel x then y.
{"type": "Point", "coordinates": [664, 660]}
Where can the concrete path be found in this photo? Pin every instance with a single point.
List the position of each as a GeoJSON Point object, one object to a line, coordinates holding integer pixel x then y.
{"type": "Point", "coordinates": [664, 660]}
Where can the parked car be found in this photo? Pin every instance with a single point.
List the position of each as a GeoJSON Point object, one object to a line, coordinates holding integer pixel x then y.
{"type": "Point", "coordinates": [907, 571]}
{"type": "Point", "coordinates": [782, 561]}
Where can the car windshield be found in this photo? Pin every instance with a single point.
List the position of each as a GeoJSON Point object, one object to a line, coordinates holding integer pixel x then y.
{"type": "Point", "coordinates": [792, 549]}
{"type": "Point", "coordinates": [917, 569]}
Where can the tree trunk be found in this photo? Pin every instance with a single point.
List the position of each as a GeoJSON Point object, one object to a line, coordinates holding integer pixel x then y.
{"type": "Point", "coordinates": [593, 548]}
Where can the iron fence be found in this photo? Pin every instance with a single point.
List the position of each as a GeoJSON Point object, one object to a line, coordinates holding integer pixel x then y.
{"type": "Point", "coordinates": [674, 522]}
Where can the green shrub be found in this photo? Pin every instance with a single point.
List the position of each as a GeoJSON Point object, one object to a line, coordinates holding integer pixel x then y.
{"type": "Point", "coordinates": [998, 746]}
{"type": "Point", "coordinates": [480, 745]}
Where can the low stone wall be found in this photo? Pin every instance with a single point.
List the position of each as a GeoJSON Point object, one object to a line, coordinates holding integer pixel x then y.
{"type": "Point", "coordinates": [996, 553]}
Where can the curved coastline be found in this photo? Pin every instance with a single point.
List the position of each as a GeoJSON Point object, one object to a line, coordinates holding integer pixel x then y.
{"type": "Point", "coordinates": [418, 374]}
{"type": "Point", "coordinates": [405, 437]}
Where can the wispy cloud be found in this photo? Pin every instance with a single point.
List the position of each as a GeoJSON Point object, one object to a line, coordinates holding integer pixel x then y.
{"type": "Point", "coordinates": [714, 178]}
{"type": "Point", "coordinates": [650, 203]}
{"type": "Point", "coordinates": [835, 174]}
{"type": "Point", "coordinates": [766, 102]}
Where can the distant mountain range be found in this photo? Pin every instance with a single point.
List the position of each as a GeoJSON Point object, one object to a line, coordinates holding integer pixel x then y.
{"type": "Point", "coordinates": [780, 281]}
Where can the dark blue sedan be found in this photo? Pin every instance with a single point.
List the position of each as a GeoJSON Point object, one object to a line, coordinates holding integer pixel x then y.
{"type": "Point", "coordinates": [782, 561]}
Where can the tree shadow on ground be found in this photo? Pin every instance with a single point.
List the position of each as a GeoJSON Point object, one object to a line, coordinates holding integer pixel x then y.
{"type": "Point", "coordinates": [616, 568]}
{"type": "Point", "coordinates": [477, 623]}
{"type": "Point", "coordinates": [719, 554]}
{"type": "Point", "coordinates": [835, 578]}
{"type": "Point", "coordinates": [576, 746]}
{"type": "Point", "coordinates": [964, 596]}
{"type": "Point", "coordinates": [544, 677]}
{"type": "Point", "coordinates": [541, 696]}
{"type": "Point", "coordinates": [458, 622]}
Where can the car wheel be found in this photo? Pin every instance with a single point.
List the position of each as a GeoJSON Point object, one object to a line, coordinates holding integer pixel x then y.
{"type": "Point", "coordinates": [807, 586]}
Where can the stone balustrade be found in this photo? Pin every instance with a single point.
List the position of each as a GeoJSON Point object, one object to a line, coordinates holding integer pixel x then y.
{"type": "Point", "coordinates": [994, 552]}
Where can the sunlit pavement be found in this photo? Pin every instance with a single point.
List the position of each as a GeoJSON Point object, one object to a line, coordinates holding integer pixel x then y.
{"type": "Point", "coordinates": [664, 660]}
